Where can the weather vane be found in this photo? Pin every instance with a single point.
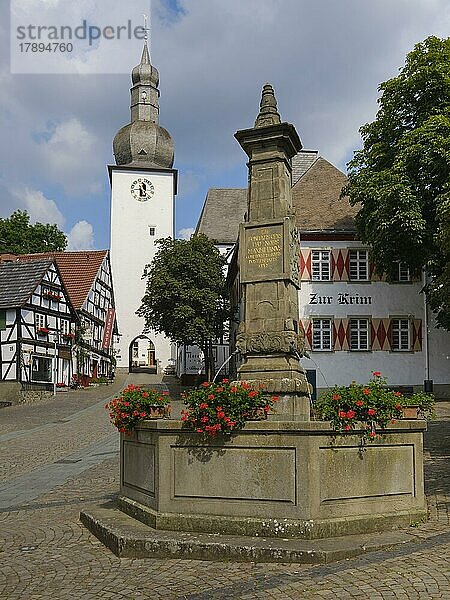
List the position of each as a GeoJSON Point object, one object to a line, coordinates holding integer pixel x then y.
{"type": "Point", "coordinates": [146, 28]}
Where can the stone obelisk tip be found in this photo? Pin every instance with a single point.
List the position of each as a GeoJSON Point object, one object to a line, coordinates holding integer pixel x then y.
{"type": "Point", "coordinates": [268, 113]}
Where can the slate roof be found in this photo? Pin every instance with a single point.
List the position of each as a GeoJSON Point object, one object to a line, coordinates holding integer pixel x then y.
{"type": "Point", "coordinates": [301, 162]}
{"type": "Point", "coordinates": [18, 280]}
{"type": "Point", "coordinates": [77, 269]}
{"type": "Point", "coordinates": [315, 196]}
{"type": "Point", "coordinates": [223, 210]}
{"type": "Point", "coordinates": [316, 200]}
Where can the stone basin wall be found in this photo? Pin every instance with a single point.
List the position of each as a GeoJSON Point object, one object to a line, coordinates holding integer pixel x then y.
{"type": "Point", "coordinates": [287, 479]}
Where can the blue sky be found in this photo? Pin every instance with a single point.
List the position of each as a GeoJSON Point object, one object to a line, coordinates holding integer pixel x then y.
{"type": "Point", "coordinates": [325, 60]}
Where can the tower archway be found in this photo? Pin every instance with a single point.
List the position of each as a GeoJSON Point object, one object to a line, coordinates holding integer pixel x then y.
{"type": "Point", "coordinates": [142, 355]}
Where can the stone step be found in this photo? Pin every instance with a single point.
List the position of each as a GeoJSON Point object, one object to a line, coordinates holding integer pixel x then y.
{"type": "Point", "coordinates": [128, 538]}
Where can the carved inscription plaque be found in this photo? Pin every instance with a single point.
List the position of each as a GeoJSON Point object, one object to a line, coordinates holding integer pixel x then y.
{"type": "Point", "coordinates": [262, 253]}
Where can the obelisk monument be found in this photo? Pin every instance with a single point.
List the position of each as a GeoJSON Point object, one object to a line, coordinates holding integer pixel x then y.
{"type": "Point", "coordinates": [269, 338]}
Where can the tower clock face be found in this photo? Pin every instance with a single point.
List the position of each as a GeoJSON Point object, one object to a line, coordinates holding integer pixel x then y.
{"type": "Point", "coordinates": [142, 189]}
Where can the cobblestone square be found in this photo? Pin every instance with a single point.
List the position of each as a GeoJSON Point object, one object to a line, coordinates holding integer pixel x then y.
{"type": "Point", "coordinates": [61, 455]}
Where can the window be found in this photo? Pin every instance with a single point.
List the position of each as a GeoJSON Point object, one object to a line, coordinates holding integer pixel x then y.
{"type": "Point", "coordinates": [359, 334]}
{"type": "Point", "coordinates": [400, 333]}
{"type": "Point", "coordinates": [40, 321]}
{"type": "Point", "coordinates": [152, 230]}
{"type": "Point", "coordinates": [320, 261]}
{"type": "Point", "coordinates": [41, 369]}
{"type": "Point", "coordinates": [2, 319]}
{"type": "Point", "coordinates": [322, 334]}
{"type": "Point", "coordinates": [358, 265]}
{"type": "Point", "coordinates": [65, 327]}
{"type": "Point", "coordinates": [135, 350]}
{"type": "Point", "coordinates": [403, 272]}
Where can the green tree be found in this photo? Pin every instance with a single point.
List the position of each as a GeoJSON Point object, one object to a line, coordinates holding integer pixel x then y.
{"type": "Point", "coordinates": [186, 296]}
{"type": "Point", "coordinates": [401, 176]}
{"type": "Point", "coordinates": [18, 236]}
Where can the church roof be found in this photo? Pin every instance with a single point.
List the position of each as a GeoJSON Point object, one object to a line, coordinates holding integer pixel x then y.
{"type": "Point", "coordinates": [78, 270]}
{"type": "Point", "coordinates": [223, 210]}
{"type": "Point", "coordinates": [18, 280]}
{"type": "Point", "coordinates": [316, 190]}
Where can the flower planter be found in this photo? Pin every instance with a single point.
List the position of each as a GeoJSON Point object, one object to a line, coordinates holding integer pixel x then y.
{"type": "Point", "coordinates": [410, 412]}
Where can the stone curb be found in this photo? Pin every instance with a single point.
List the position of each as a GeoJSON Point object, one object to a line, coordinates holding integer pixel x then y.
{"type": "Point", "coordinates": [129, 538]}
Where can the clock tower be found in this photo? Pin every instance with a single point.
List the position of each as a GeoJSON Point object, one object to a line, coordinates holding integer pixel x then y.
{"type": "Point", "coordinates": [143, 187]}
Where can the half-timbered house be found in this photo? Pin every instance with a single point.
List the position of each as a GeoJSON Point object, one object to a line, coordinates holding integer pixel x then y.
{"type": "Point", "coordinates": [37, 324]}
{"type": "Point", "coordinates": [87, 278]}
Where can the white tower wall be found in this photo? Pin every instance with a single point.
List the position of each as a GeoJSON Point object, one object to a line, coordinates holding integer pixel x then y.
{"type": "Point", "coordinates": [133, 247]}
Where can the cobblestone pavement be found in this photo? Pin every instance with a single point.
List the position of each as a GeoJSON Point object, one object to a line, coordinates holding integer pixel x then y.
{"type": "Point", "coordinates": [62, 455]}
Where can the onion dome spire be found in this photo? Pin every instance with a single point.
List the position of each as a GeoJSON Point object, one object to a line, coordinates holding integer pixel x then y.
{"type": "Point", "coordinates": [268, 114]}
{"type": "Point", "coordinates": [143, 142]}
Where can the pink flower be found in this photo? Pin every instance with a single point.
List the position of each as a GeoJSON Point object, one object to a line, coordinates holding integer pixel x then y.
{"type": "Point", "coordinates": [205, 384]}
{"type": "Point", "coordinates": [203, 406]}
{"type": "Point", "coordinates": [366, 391]}
{"type": "Point", "coordinates": [398, 394]}
{"type": "Point", "coordinates": [342, 414]}
{"type": "Point", "coordinates": [359, 403]}
{"type": "Point", "coordinates": [336, 397]}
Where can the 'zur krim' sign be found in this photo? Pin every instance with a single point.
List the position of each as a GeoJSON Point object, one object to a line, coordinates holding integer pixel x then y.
{"type": "Point", "coordinates": [342, 298]}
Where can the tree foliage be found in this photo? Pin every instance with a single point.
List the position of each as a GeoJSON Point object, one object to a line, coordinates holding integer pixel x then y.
{"type": "Point", "coordinates": [18, 236]}
{"type": "Point", "coordinates": [186, 296]}
{"type": "Point", "coordinates": [401, 176]}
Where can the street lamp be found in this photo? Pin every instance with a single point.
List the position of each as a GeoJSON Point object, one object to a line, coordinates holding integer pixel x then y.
{"type": "Point", "coordinates": [55, 334]}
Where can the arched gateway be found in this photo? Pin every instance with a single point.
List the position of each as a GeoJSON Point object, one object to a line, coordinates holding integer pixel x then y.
{"type": "Point", "coordinates": [141, 355]}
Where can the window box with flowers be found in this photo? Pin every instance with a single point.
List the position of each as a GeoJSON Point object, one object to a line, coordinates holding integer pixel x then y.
{"type": "Point", "coordinates": [369, 408]}
{"type": "Point", "coordinates": [50, 295]}
{"type": "Point", "coordinates": [222, 408]}
{"type": "Point", "coordinates": [43, 330]}
{"type": "Point", "coordinates": [68, 337]}
{"type": "Point", "coordinates": [136, 404]}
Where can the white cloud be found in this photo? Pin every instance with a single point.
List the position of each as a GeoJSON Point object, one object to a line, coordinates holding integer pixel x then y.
{"type": "Point", "coordinates": [81, 236]}
{"type": "Point", "coordinates": [39, 207]}
{"type": "Point", "coordinates": [67, 151]}
{"type": "Point", "coordinates": [185, 233]}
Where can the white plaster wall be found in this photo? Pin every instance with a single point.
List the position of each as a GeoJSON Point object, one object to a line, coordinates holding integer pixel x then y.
{"type": "Point", "coordinates": [132, 248]}
{"type": "Point", "coordinates": [387, 300]}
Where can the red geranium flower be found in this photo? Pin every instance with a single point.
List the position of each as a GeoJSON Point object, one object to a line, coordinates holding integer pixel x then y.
{"type": "Point", "coordinates": [371, 412]}
{"type": "Point", "coordinates": [366, 391]}
{"type": "Point", "coordinates": [336, 397]}
{"type": "Point", "coordinates": [376, 373]}
{"type": "Point", "coordinates": [398, 394]}
{"type": "Point", "coordinates": [350, 414]}
{"type": "Point", "coordinates": [359, 403]}
{"type": "Point", "coordinates": [342, 414]}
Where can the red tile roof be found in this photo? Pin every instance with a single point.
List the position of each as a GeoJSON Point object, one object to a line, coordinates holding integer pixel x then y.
{"type": "Point", "coordinates": [78, 270]}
